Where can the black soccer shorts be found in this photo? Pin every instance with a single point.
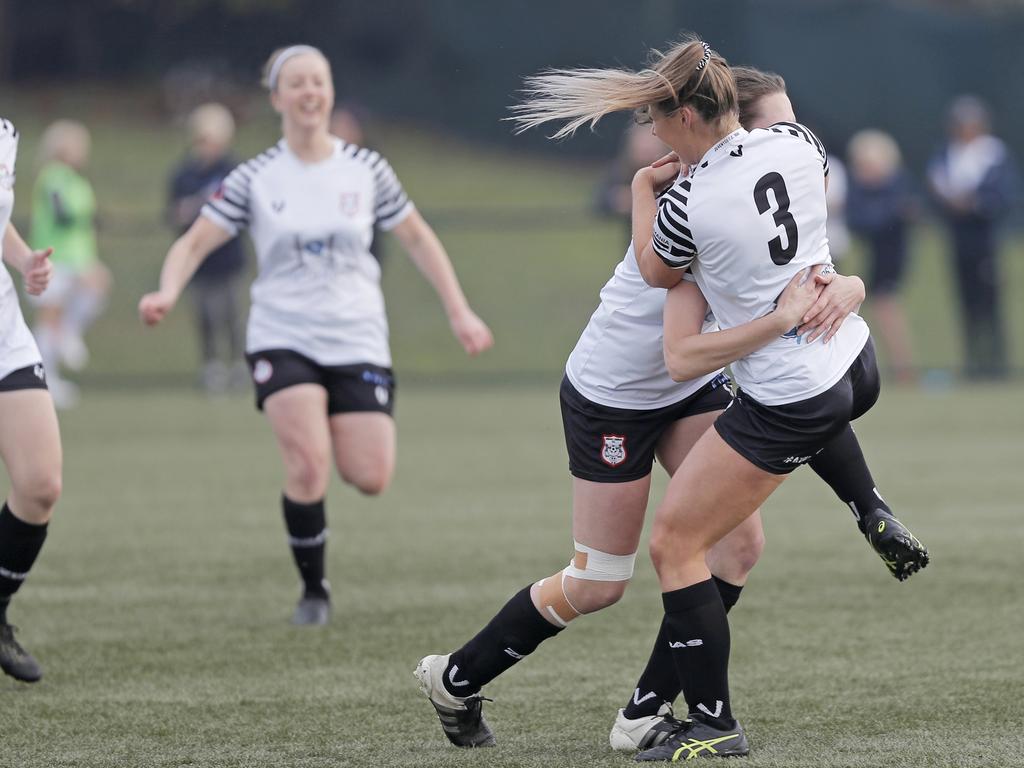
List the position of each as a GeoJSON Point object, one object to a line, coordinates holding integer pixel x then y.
{"type": "Point", "coordinates": [616, 445]}
{"type": "Point", "coordinates": [29, 377]}
{"type": "Point", "coordinates": [360, 387]}
{"type": "Point", "coordinates": [779, 438]}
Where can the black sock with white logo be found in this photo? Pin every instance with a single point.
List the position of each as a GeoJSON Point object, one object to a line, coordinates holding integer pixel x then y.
{"type": "Point", "coordinates": [841, 464]}
{"type": "Point", "coordinates": [307, 536]}
{"type": "Point", "coordinates": [697, 632]}
{"type": "Point", "coordinates": [514, 632]}
{"type": "Point", "coordinates": [659, 683]}
{"type": "Point", "coordinates": [20, 543]}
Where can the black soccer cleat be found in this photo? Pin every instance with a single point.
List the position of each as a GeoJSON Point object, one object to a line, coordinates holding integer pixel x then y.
{"type": "Point", "coordinates": [15, 660]}
{"type": "Point", "coordinates": [900, 550]}
{"type": "Point", "coordinates": [695, 738]}
{"type": "Point", "coordinates": [462, 719]}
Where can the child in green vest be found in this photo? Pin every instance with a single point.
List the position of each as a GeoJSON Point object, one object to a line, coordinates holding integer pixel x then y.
{"type": "Point", "coordinates": [64, 215]}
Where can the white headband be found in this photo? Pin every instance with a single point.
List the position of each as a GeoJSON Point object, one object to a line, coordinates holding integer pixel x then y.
{"type": "Point", "coordinates": [288, 53]}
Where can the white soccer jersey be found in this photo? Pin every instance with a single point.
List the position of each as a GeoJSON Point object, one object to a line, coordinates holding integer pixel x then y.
{"type": "Point", "coordinates": [317, 291]}
{"type": "Point", "coordinates": [17, 347]}
{"type": "Point", "coordinates": [619, 361]}
{"type": "Point", "coordinates": [750, 215]}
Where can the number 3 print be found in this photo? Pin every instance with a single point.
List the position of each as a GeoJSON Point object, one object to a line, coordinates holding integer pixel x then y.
{"type": "Point", "coordinates": [783, 218]}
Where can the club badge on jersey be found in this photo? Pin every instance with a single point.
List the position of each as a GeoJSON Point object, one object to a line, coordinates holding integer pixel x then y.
{"type": "Point", "coordinates": [349, 203]}
{"type": "Point", "coordinates": [613, 449]}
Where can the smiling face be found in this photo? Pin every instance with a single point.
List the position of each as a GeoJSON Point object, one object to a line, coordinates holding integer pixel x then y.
{"type": "Point", "coordinates": [304, 95]}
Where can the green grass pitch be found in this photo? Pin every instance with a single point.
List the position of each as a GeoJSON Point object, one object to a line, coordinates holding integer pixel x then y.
{"type": "Point", "coordinates": [160, 604]}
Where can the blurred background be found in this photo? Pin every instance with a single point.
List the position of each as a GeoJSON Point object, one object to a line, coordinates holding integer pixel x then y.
{"type": "Point", "coordinates": [159, 606]}
{"type": "Point", "coordinates": [532, 225]}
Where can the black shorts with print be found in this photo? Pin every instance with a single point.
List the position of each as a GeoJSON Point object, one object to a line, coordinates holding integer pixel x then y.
{"type": "Point", "coordinates": [616, 445]}
{"type": "Point", "coordinates": [29, 377]}
{"type": "Point", "coordinates": [779, 438]}
{"type": "Point", "coordinates": [350, 388]}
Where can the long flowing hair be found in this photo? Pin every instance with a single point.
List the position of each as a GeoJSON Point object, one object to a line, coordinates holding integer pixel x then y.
{"type": "Point", "coordinates": [689, 73]}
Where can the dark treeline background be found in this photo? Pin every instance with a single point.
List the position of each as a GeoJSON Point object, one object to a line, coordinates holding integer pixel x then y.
{"type": "Point", "coordinates": [456, 64]}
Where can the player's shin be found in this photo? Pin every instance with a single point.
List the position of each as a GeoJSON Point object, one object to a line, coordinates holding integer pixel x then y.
{"type": "Point", "coordinates": [536, 613]}
{"type": "Point", "coordinates": [659, 683]}
{"type": "Point", "coordinates": [697, 634]}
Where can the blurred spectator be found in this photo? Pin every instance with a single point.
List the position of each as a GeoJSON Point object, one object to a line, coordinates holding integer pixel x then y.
{"type": "Point", "coordinates": [347, 121]}
{"type": "Point", "coordinates": [835, 199]}
{"type": "Point", "coordinates": [880, 205]}
{"type": "Point", "coordinates": [974, 181]}
{"type": "Point", "coordinates": [215, 286]}
{"type": "Point", "coordinates": [64, 216]}
{"type": "Point", "coordinates": [614, 196]}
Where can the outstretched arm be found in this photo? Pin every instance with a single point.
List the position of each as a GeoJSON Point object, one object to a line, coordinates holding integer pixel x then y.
{"type": "Point", "coordinates": [181, 262]}
{"type": "Point", "coordinates": [428, 254]}
{"type": "Point", "coordinates": [690, 353]}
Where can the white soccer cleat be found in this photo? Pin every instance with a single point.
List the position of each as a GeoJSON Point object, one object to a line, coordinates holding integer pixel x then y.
{"type": "Point", "coordinates": [643, 732]}
{"type": "Point", "coordinates": [461, 718]}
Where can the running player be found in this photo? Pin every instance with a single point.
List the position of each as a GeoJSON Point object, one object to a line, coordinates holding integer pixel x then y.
{"type": "Point", "coordinates": [29, 436]}
{"type": "Point", "coordinates": [620, 408]}
{"type": "Point", "coordinates": [317, 340]}
{"type": "Point", "coordinates": [747, 219]}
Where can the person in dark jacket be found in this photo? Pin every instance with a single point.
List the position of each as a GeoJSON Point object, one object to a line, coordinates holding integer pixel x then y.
{"type": "Point", "coordinates": [215, 286]}
{"type": "Point", "coordinates": [975, 183]}
{"type": "Point", "coordinates": [880, 206]}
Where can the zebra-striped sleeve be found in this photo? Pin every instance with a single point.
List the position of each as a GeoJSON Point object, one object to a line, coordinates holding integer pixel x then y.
{"type": "Point", "coordinates": [391, 205]}
{"type": "Point", "coordinates": [805, 133]}
{"type": "Point", "coordinates": [673, 240]}
{"type": "Point", "coordinates": [228, 207]}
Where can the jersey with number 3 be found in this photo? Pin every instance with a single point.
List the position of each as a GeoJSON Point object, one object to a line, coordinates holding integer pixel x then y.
{"type": "Point", "coordinates": [747, 219]}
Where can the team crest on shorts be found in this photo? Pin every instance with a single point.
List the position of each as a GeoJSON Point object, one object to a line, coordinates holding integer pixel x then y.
{"type": "Point", "coordinates": [262, 371]}
{"type": "Point", "coordinates": [382, 395]}
{"type": "Point", "coordinates": [613, 449]}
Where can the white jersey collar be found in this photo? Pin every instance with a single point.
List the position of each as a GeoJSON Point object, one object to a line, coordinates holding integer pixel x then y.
{"type": "Point", "coordinates": [720, 149]}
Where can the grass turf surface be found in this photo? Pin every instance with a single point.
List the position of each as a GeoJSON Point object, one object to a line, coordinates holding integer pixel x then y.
{"type": "Point", "coordinates": [159, 607]}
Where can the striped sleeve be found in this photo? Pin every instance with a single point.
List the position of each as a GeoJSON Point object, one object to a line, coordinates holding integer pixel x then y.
{"type": "Point", "coordinates": [391, 205]}
{"type": "Point", "coordinates": [7, 129]}
{"type": "Point", "coordinates": [229, 207]}
{"type": "Point", "coordinates": [673, 240]}
{"type": "Point", "coordinates": [804, 133]}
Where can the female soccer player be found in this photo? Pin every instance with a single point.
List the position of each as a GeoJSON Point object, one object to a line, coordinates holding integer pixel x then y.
{"type": "Point", "coordinates": [317, 334]}
{"type": "Point", "coordinates": [620, 408]}
{"type": "Point", "coordinates": [29, 436]}
{"type": "Point", "coordinates": [747, 218]}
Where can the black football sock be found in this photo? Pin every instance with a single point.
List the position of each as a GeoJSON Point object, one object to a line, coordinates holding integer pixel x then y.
{"type": "Point", "coordinates": [20, 543]}
{"type": "Point", "coordinates": [841, 464]}
{"type": "Point", "coordinates": [659, 682]}
{"type": "Point", "coordinates": [514, 632]}
{"type": "Point", "coordinates": [307, 536]}
{"type": "Point", "coordinates": [697, 633]}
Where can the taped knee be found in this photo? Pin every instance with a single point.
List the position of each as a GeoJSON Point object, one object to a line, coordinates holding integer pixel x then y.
{"type": "Point", "coordinates": [591, 564]}
{"type": "Point", "coordinates": [588, 565]}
